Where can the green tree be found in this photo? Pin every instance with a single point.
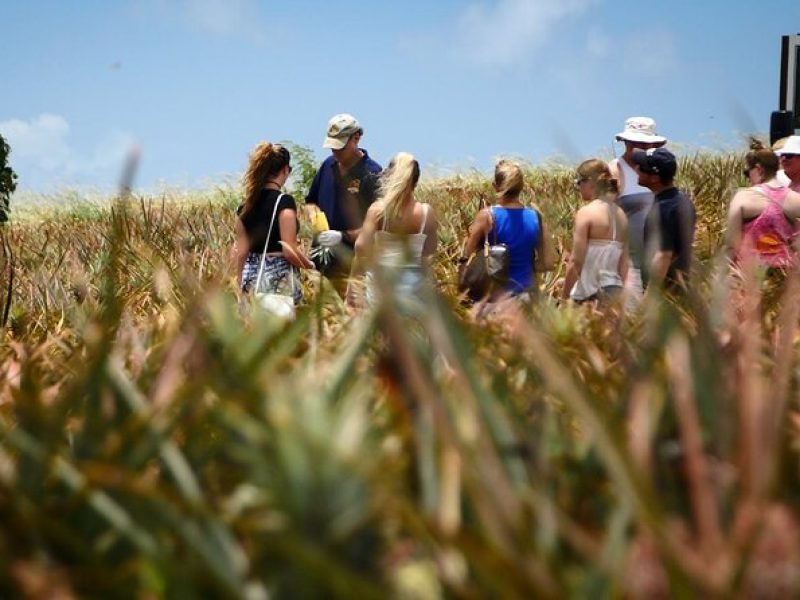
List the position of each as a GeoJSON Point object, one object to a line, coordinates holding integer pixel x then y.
{"type": "Point", "coordinates": [8, 180]}
{"type": "Point", "coordinates": [304, 164]}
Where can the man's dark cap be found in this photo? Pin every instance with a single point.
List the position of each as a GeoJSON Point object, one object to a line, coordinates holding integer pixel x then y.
{"type": "Point", "coordinates": [656, 161]}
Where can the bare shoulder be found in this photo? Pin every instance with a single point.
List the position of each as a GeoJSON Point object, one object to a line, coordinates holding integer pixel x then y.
{"type": "Point", "coordinates": [793, 196]}
{"type": "Point", "coordinates": [431, 212]}
{"type": "Point", "coordinates": [791, 205]}
{"type": "Point", "coordinates": [585, 212]}
{"type": "Point", "coordinates": [484, 215]}
{"type": "Point", "coordinates": [587, 215]}
{"type": "Point", "coordinates": [746, 197]}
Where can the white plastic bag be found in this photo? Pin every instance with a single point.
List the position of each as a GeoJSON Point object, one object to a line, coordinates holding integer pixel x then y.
{"type": "Point", "coordinates": [276, 304]}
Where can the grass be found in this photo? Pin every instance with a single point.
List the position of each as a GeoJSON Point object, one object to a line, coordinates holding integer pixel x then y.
{"type": "Point", "coordinates": [157, 440]}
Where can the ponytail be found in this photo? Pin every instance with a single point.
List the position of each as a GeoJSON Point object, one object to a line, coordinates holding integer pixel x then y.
{"type": "Point", "coordinates": [397, 186]}
{"type": "Point", "coordinates": [508, 179]}
{"type": "Point", "coordinates": [759, 156]}
{"type": "Point", "coordinates": [266, 161]}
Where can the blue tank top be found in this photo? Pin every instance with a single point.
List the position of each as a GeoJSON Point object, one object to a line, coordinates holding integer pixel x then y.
{"type": "Point", "coordinates": [517, 228]}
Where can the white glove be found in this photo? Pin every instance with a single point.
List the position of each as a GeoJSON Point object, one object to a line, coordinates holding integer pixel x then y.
{"type": "Point", "coordinates": [329, 238]}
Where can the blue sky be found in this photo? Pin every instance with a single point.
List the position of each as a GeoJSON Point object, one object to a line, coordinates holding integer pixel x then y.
{"type": "Point", "coordinates": [195, 84]}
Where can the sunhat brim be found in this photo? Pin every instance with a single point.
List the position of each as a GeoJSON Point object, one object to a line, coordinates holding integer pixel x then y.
{"type": "Point", "coordinates": [792, 146]}
{"type": "Point", "coordinates": [644, 138]}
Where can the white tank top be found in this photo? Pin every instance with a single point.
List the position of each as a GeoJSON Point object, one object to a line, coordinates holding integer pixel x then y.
{"type": "Point", "coordinates": [630, 180]}
{"type": "Point", "coordinates": [401, 249]}
{"type": "Point", "coordinates": [601, 265]}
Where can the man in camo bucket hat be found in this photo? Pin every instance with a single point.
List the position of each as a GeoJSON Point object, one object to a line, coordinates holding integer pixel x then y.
{"type": "Point", "coordinates": [639, 133]}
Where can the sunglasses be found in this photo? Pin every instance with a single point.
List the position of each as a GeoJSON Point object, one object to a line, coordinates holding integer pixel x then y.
{"type": "Point", "coordinates": [785, 157]}
{"type": "Point", "coordinates": [580, 180]}
{"type": "Point", "coordinates": [643, 145]}
{"type": "Point", "coordinates": [746, 172]}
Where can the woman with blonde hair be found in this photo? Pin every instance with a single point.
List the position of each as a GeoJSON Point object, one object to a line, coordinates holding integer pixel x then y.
{"type": "Point", "coordinates": [399, 234]}
{"type": "Point", "coordinates": [266, 225]}
{"type": "Point", "coordinates": [598, 264]}
{"type": "Point", "coordinates": [510, 223]}
{"type": "Point", "coordinates": [762, 218]}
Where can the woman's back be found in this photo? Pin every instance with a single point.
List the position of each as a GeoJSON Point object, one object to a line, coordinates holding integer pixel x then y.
{"type": "Point", "coordinates": [606, 221]}
{"type": "Point", "coordinates": [771, 232]}
{"type": "Point", "coordinates": [402, 240]}
{"type": "Point", "coordinates": [607, 234]}
{"type": "Point", "coordinates": [519, 229]}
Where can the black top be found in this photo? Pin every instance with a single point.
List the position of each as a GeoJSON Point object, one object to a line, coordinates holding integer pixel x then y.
{"type": "Point", "coordinates": [670, 228]}
{"type": "Point", "coordinates": [257, 220]}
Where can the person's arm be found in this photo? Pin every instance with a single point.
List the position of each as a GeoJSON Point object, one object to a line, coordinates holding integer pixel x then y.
{"type": "Point", "coordinates": [624, 262]}
{"type": "Point", "coordinates": [659, 267]}
{"type": "Point", "coordinates": [733, 237]}
{"type": "Point", "coordinates": [623, 235]}
{"type": "Point", "coordinates": [547, 259]}
{"type": "Point", "coordinates": [241, 248]}
{"type": "Point", "coordinates": [366, 237]}
{"type": "Point", "coordinates": [791, 208]}
{"type": "Point", "coordinates": [791, 205]}
{"type": "Point", "coordinates": [287, 223]}
{"type": "Point", "coordinates": [477, 232]}
{"type": "Point", "coordinates": [580, 241]}
{"type": "Point", "coordinates": [667, 230]}
{"type": "Point", "coordinates": [363, 252]}
{"type": "Point", "coordinates": [431, 237]}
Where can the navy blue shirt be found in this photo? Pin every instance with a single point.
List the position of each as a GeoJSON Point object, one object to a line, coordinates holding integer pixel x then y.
{"type": "Point", "coordinates": [670, 228]}
{"type": "Point", "coordinates": [345, 198]}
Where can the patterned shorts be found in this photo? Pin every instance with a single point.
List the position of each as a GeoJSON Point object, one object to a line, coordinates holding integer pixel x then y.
{"type": "Point", "coordinates": [279, 277]}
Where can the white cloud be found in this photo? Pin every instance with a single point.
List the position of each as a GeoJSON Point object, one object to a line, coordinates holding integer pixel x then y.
{"type": "Point", "coordinates": [511, 31]}
{"type": "Point", "coordinates": [42, 155]}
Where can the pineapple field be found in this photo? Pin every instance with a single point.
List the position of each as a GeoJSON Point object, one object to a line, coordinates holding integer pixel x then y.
{"type": "Point", "coordinates": [159, 438]}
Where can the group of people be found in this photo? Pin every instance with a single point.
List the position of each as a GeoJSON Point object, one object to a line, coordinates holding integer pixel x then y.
{"type": "Point", "coordinates": [634, 231]}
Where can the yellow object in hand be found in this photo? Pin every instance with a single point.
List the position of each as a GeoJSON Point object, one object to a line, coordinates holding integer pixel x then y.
{"type": "Point", "coordinates": [319, 222]}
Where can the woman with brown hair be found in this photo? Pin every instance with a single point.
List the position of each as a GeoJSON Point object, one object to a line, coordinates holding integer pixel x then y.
{"type": "Point", "coordinates": [762, 218]}
{"type": "Point", "coordinates": [598, 264]}
{"type": "Point", "coordinates": [266, 225]}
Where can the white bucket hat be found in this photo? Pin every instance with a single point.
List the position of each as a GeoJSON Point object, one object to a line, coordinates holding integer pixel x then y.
{"type": "Point", "coordinates": [641, 129]}
{"type": "Point", "coordinates": [791, 145]}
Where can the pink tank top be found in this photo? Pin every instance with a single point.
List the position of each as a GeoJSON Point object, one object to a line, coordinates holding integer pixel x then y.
{"type": "Point", "coordinates": [770, 234]}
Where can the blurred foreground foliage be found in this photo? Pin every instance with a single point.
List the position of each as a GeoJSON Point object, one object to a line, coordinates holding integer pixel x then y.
{"type": "Point", "coordinates": [158, 439]}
